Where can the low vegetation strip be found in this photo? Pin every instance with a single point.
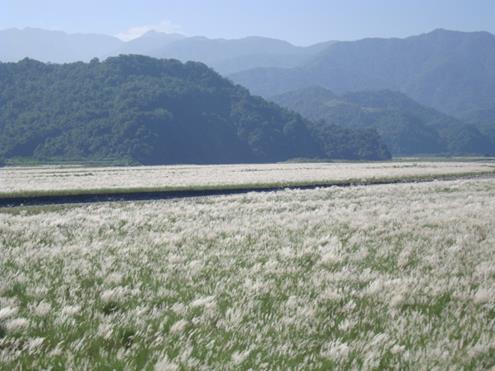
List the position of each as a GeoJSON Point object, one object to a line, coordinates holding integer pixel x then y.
{"type": "Point", "coordinates": [387, 277]}
{"type": "Point", "coordinates": [119, 195]}
{"type": "Point", "coordinates": [52, 180]}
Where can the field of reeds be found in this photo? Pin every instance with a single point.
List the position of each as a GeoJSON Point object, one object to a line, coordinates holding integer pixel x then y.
{"type": "Point", "coordinates": [391, 276]}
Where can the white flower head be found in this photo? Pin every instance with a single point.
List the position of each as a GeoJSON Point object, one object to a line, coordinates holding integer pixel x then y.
{"type": "Point", "coordinates": [240, 357]}
{"type": "Point", "coordinates": [178, 326]}
{"type": "Point", "coordinates": [105, 330]}
{"type": "Point", "coordinates": [17, 325]}
{"type": "Point", "coordinates": [7, 312]}
{"type": "Point", "coordinates": [335, 350]}
{"type": "Point", "coordinates": [115, 295]}
{"type": "Point", "coordinates": [165, 364]}
{"type": "Point", "coordinates": [70, 310]}
{"type": "Point", "coordinates": [35, 343]}
{"type": "Point", "coordinates": [42, 309]}
{"type": "Point", "coordinates": [114, 278]}
{"type": "Point", "coordinates": [484, 295]}
{"type": "Point", "coordinates": [207, 303]}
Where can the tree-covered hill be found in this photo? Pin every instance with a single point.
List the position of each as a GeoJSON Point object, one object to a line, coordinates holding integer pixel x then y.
{"type": "Point", "coordinates": [154, 111]}
{"type": "Point", "coordinates": [407, 127]}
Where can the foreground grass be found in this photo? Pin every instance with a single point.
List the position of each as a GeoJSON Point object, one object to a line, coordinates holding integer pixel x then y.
{"type": "Point", "coordinates": [395, 276]}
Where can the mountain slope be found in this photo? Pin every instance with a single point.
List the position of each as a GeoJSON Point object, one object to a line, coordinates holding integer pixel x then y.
{"type": "Point", "coordinates": [451, 71]}
{"type": "Point", "coordinates": [484, 120]}
{"type": "Point", "coordinates": [407, 127]}
{"type": "Point", "coordinates": [155, 112]}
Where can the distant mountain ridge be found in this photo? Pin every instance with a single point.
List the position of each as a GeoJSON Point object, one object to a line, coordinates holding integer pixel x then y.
{"type": "Point", "coordinates": [155, 111]}
{"type": "Point", "coordinates": [54, 46]}
{"type": "Point", "coordinates": [225, 56]}
{"type": "Point", "coordinates": [407, 127]}
{"type": "Point", "coordinates": [451, 71]}
{"type": "Point", "coordinates": [148, 43]}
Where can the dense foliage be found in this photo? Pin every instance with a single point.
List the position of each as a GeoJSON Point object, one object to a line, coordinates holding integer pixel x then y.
{"type": "Point", "coordinates": [154, 111]}
{"type": "Point", "coordinates": [407, 127]}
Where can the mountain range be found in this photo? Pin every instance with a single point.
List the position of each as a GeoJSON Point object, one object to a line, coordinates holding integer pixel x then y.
{"type": "Point", "coordinates": [432, 93]}
{"type": "Point", "coordinates": [451, 71]}
{"type": "Point", "coordinates": [225, 56]}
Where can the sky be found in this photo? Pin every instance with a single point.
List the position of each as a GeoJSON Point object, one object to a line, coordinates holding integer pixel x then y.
{"type": "Point", "coordinates": [302, 22]}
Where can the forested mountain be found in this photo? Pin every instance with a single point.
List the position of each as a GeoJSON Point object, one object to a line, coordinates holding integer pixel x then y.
{"type": "Point", "coordinates": [407, 127]}
{"type": "Point", "coordinates": [154, 111]}
{"type": "Point", "coordinates": [453, 72]}
{"type": "Point", "coordinates": [225, 56]}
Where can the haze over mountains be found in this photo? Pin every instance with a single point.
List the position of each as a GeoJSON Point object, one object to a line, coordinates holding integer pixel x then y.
{"type": "Point", "coordinates": [226, 56]}
{"type": "Point", "coordinates": [428, 94]}
{"type": "Point", "coordinates": [54, 46]}
{"type": "Point", "coordinates": [453, 72]}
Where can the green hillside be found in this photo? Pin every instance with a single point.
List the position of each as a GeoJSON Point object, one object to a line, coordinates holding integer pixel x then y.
{"type": "Point", "coordinates": [407, 127]}
{"type": "Point", "coordinates": [144, 110]}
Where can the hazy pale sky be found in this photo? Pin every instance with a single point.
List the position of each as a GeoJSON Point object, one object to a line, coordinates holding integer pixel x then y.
{"type": "Point", "coordinates": [299, 21]}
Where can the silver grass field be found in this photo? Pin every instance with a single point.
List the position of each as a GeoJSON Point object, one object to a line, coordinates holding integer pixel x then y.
{"type": "Point", "coordinates": [65, 179]}
{"type": "Point", "coordinates": [369, 277]}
